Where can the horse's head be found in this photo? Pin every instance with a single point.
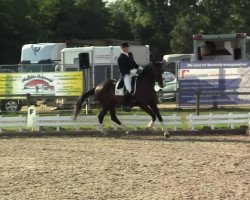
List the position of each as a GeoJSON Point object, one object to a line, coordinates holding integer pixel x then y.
{"type": "Point", "coordinates": [157, 68]}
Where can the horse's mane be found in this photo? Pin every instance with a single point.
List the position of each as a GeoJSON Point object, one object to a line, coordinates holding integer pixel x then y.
{"type": "Point", "coordinates": [146, 70]}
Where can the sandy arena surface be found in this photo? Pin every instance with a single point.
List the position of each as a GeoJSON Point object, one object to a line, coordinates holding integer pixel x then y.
{"type": "Point", "coordinates": [137, 167]}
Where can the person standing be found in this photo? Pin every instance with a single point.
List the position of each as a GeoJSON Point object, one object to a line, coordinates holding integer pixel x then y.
{"type": "Point", "coordinates": [128, 68]}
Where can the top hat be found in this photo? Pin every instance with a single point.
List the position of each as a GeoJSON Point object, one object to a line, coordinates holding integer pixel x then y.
{"type": "Point", "coordinates": [124, 44]}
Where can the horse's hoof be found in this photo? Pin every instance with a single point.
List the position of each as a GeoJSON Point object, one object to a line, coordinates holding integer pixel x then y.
{"type": "Point", "coordinates": [248, 132]}
{"type": "Point", "coordinates": [166, 134]}
{"type": "Point", "coordinates": [105, 134]}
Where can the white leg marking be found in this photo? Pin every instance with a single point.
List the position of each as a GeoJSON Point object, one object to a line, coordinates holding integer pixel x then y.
{"type": "Point", "coordinates": [124, 128]}
{"type": "Point", "coordinates": [150, 124]}
{"type": "Point", "coordinates": [162, 126]}
{"type": "Point", "coordinates": [166, 133]}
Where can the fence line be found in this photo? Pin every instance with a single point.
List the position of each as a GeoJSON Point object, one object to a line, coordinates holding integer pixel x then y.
{"type": "Point", "coordinates": [57, 121]}
{"type": "Point", "coordinates": [21, 122]}
{"type": "Point", "coordinates": [220, 119]}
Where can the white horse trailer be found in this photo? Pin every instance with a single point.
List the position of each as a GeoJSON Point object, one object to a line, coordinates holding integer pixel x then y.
{"type": "Point", "coordinates": [102, 60]}
{"type": "Point", "coordinates": [35, 53]}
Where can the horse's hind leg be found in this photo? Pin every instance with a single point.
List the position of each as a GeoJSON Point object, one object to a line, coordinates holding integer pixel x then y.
{"type": "Point", "coordinates": [151, 113]}
{"type": "Point", "coordinates": [116, 120]}
{"type": "Point", "coordinates": [100, 118]}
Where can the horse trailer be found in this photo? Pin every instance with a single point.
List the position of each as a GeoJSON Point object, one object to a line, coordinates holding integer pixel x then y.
{"type": "Point", "coordinates": [101, 60]}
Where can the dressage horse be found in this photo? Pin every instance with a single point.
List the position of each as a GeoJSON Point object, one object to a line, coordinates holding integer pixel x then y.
{"type": "Point", "coordinates": [145, 97]}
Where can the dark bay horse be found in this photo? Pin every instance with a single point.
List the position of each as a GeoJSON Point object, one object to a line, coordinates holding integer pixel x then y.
{"type": "Point", "coordinates": [145, 97]}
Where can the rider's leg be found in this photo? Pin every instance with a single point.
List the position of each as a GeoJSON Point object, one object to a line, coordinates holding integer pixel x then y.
{"type": "Point", "coordinates": [128, 95]}
{"type": "Point", "coordinates": [127, 82]}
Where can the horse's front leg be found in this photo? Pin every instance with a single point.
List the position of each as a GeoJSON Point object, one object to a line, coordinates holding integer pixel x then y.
{"type": "Point", "coordinates": [155, 109]}
{"type": "Point", "coordinates": [151, 113]}
{"type": "Point", "coordinates": [100, 118]}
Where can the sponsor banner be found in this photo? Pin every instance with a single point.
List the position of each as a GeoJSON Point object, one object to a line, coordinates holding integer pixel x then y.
{"type": "Point", "coordinates": [50, 83]}
{"type": "Point", "coordinates": [214, 76]}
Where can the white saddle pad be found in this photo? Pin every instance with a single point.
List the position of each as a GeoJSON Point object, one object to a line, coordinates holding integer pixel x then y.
{"type": "Point", "coordinates": [119, 92]}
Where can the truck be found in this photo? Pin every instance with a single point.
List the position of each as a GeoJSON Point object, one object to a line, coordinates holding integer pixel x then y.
{"type": "Point", "coordinates": [56, 61]}
{"type": "Point", "coordinates": [220, 65]}
{"type": "Point", "coordinates": [41, 57]}
{"type": "Point", "coordinates": [171, 60]}
{"type": "Point", "coordinates": [35, 75]}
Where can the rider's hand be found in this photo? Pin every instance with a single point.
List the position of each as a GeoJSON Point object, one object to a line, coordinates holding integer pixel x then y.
{"type": "Point", "coordinates": [140, 68]}
{"type": "Point", "coordinates": [133, 71]}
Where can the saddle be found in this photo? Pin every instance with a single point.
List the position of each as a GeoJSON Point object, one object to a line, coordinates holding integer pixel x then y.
{"type": "Point", "coordinates": [120, 88]}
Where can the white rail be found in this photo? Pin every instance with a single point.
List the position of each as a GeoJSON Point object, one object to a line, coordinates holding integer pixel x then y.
{"type": "Point", "coordinates": [218, 119]}
{"type": "Point", "coordinates": [57, 121]}
{"type": "Point", "coordinates": [141, 120]}
{"type": "Point", "coordinates": [63, 121]}
{"type": "Point", "coordinates": [13, 122]}
{"type": "Point", "coordinates": [135, 121]}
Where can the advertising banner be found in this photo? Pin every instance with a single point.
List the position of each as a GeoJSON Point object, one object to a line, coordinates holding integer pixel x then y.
{"type": "Point", "coordinates": [214, 76]}
{"type": "Point", "coordinates": [50, 83]}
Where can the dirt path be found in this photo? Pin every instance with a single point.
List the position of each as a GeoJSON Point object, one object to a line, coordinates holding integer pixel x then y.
{"type": "Point", "coordinates": [138, 167]}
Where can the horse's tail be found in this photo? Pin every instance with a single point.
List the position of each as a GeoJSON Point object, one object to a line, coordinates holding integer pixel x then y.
{"type": "Point", "coordinates": [80, 100]}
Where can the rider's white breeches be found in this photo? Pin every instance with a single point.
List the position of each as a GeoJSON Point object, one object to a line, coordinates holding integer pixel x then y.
{"type": "Point", "coordinates": [127, 82]}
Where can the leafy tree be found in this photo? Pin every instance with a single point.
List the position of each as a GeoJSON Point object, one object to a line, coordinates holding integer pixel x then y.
{"type": "Point", "coordinates": [119, 26]}
{"type": "Point", "coordinates": [166, 25]}
{"type": "Point", "coordinates": [66, 19]}
{"type": "Point", "coordinates": [16, 28]}
{"type": "Point", "coordinates": [239, 19]}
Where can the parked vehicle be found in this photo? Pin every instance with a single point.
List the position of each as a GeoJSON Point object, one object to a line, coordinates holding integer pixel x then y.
{"type": "Point", "coordinates": [171, 61]}
{"type": "Point", "coordinates": [169, 89]}
{"type": "Point", "coordinates": [220, 66]}
{"type": "Point", "coordinates": [9, 104]}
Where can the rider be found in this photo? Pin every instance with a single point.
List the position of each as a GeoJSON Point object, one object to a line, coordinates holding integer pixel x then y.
{"type": "Point", "coordinates": [128, 68]}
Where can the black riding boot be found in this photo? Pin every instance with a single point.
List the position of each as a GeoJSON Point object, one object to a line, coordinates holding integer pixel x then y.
{"type": "Point", "coordinates": [127, 105]}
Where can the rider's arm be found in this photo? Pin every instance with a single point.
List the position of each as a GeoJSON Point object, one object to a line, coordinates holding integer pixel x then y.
{"type": "Point", "coordinates": [123, 66]}
{"type": "Point", "coordinates": [134, 64]}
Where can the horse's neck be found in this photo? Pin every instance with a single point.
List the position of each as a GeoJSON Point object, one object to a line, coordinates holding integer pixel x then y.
{"type": "Point", "coordinates": [148, 75]}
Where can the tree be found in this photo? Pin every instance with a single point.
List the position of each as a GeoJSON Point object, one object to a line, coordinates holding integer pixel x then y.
{"type": "Point", "coordinates": [16, 28]}
{"type": "Point", "coordinates": [119, 26]}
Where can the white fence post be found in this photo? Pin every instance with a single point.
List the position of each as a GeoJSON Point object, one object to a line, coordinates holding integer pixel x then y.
{"type": "Point", "coordinates": [57, 122]}
{"type": "Point", "coordinates": [230, 120]}
{"type": "Point", "coordinates": [30, 116]}
{"type": "Point", "coordinates": [191, 120]}
{"type": "Point", "coordinates": [211, 120]}
{"type": "Point", "coordinates": [0, 126]}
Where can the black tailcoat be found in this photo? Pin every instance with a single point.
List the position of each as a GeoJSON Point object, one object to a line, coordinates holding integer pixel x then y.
{"type": "Point", "coordinates": [126, 63]}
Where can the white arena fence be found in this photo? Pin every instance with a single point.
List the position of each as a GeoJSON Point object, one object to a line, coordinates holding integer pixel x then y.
{"type": "Point", "coordinates": [58, 122]}
{"type": "Point", "coordinates": [135, 121]}
{"type": "Point", "coordinates": [18, 123]}
{"type": "Point", "coordinates": [212, 120]}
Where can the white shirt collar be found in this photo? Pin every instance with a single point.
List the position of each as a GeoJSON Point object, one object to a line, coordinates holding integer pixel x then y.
{"type": "Point", "coordinates": [125, 53]}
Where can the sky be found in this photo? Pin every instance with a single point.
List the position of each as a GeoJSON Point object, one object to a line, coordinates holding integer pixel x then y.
{"type": "Point", "coordinates": [110, 1]}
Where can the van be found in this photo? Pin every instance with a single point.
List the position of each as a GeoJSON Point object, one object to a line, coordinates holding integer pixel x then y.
{"type": "Point", "coordinates": [170, 61]}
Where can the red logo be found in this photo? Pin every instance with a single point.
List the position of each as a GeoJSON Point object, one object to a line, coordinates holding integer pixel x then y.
{"type": "Point", "coordinates": [183, 72]}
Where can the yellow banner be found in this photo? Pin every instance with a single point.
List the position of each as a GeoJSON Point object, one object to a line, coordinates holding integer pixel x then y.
{"type": "Point", "coordinates": [49, 83]}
